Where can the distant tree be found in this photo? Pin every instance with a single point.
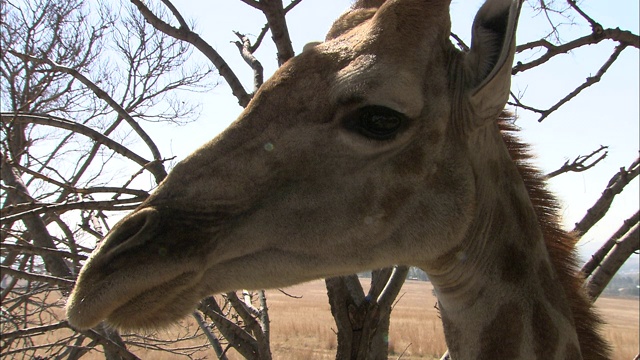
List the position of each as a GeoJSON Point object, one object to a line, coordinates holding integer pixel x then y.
{"type": "Point", "coordinates": [79, 83]}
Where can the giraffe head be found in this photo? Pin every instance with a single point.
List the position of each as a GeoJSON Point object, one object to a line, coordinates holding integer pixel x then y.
{"type": "Point", "coordinates": [354, 155]}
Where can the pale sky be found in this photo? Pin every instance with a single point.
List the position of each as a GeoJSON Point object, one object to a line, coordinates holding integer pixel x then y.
{"type": "Point", "coordinates": [605, 114]}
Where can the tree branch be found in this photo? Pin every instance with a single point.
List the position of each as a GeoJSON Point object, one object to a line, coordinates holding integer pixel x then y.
{"type": "Point", "coordinates": [291, 5]}
{"type": "Point", "coordinates": [275, 14]}
{"type": "Point", "coordinates": [53, 280]}
{"type": "Point", "coordinates": [244, 46]}
{"type": "Point", "coordinates": [213, 340]}
{"type": "Point", "coordinates": [84, 191]}
{"type": "Point", "coordinates": [33, 208]}
{"type": "Point", "coordinates": [101, 94]}
{"type": "Point", "coordinates": [176, 13]}
{"type": "Point", "coordinates": [7, 336]}
{"type": "Point", "coordinates": [250, 316]}
{"type": "Point", "coordinates": [155, 167]}
{"type": "Point", "coordinates": [109, 344]}
{"type": "Point", "coordinates": [599, 255]}
{"type": "Point", "coordinates": [379, 279]}
{"type": "Point", "coordinates": [237, 337]}
{"type": "Point", "coordinates": [625, 38]}
{"type": "Point", "coordinates": [289, 295]}
{"type": "Point", "coordinates": [265, 28]}
{"type": "Point", "coordinates": [393, 286]}
{"type": "Point", "coordinates": [254, 3]}
{"type": "Point", "coordinates": [461, 44]}
{"type": "Point", "coordinates": [185, 34]}
{"type": "Point", "coordinates": [265, 324]}
{"type": "Point", "coordinates": [578, 164]}
{"type": "Point", "coordinates": [612, 263]}
{"type": "Point", "coordinates": [31, 249]}
{"type": "Point", "coordinates": [602, 205]}
{"type": "Point", "coordinates": [595, 26]}
{"type": "Point", "coordinates": [588, 82]}
{"type": "Point", "coordinates": [36, 226]}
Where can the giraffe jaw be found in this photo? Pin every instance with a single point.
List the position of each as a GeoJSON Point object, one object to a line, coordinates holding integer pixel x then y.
{"type": "Point", "coordinates": [150, 299]}
{"type": "Point", "coordinates": [141, 311]}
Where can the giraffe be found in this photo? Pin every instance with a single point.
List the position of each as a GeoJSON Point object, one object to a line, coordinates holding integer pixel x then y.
{"type": "Point", "coordinates": [382, 145]}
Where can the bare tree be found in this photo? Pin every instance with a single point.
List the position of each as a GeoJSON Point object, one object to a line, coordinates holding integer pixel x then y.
{"type": "Point", "coordinates": [79, 84]}
{"type": "Point", "coordinates": [560, 13]}
{"type": "Point", "coordinates": [363, 320]}
{"type": "Point", "coordinates": [623, 243]}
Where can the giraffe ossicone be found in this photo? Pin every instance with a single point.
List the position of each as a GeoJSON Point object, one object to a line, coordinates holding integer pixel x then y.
{"type": "Point", "coordinates": [382, 145]}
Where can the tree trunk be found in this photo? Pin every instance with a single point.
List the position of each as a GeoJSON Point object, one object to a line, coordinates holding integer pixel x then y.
{"type": "Point", "coordinates": [612, 263]}
{"type": "Point", "coordinates": [363, 321]}
{"type": "Point", "coordinates": [19, 194]}
{"type": "Point", "coordinates": [599, 255]}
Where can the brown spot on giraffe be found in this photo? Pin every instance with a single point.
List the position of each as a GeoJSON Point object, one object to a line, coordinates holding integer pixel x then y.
{"type": "Point", "coordinates": [502, 337]}
{"type": "Point", "coordinates": [452, 332]}
{"type": "Point", "coordinates": [572, 352]}
{"type": "Point", "coordinates": [394, 199]}
{"type": "Point", "coordinates": [526, 219]}
{"type": "Point", "coordinates": [545, 332]}
{"type": "Point", "coordinates": [515, 264]}
{"type": "Point", "coordinates": [410, 162]}
{"type": "Point", "coordinates": [553, 295]}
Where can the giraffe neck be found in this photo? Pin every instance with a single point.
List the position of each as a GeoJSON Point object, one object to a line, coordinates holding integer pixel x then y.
{"type": "Point", "coordinates": [505, 305]}
{"type": "Point", "coordinates": [498, 292]}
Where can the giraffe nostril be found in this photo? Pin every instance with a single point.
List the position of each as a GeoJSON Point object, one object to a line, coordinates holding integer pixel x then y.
{"type": "Point", "coordinates": [132, 231]}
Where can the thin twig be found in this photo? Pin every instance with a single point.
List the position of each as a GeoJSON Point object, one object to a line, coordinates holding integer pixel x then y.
{"type": "Point", "coordinates": [602, 205]}
{"type": "Point", "coordinates": [404, 351]}
{"type": "Point", "coordinates": [27, 248]}
{"type": "Point", "coordinates": [289, 295]}
{"type": "Point", "coordinates": [54, 280]}
{"type": "Point", "coordinates": [176, 13]}
{"type": "Point", "coordinates": [39, 208]}
{"type": "Point", "coordinates": [578, 164]}
{"type": "Point", "coordinates": [244, 46]}
{"type": "Point", "coordinates": [34, 330]}
{"type": "Point", "coordinates": [588, 82]}
{"type": "Point", "coordinates": [595, 26]}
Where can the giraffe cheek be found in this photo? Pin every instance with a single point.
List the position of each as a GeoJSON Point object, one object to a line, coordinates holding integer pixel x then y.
{"type": "Point", "coordinates": [394, 203]}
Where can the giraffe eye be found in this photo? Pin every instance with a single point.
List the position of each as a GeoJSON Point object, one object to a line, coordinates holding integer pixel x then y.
{"type": "Point", "coordinates": [375, 122]}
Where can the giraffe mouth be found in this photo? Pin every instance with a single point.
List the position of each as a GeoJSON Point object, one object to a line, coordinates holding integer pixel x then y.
{"type": "Point", "coordinates": [158, 306]}
{"type": "Point", "coordinates": [148, 299]}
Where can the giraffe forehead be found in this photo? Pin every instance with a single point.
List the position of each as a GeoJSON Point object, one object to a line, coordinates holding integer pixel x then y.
{"type": "Point", "coordinates": [370, 79]}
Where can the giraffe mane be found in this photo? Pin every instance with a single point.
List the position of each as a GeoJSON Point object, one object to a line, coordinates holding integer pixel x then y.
{"type": "Point", "coordinates": [560, 244]}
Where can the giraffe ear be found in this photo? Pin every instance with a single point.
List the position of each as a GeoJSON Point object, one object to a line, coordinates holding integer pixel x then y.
{"type": "Point", "coordinates": [491, 56]}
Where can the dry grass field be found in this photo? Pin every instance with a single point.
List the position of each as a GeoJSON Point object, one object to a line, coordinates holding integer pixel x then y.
{"type": "Point", "coordinates": [303, 328]}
